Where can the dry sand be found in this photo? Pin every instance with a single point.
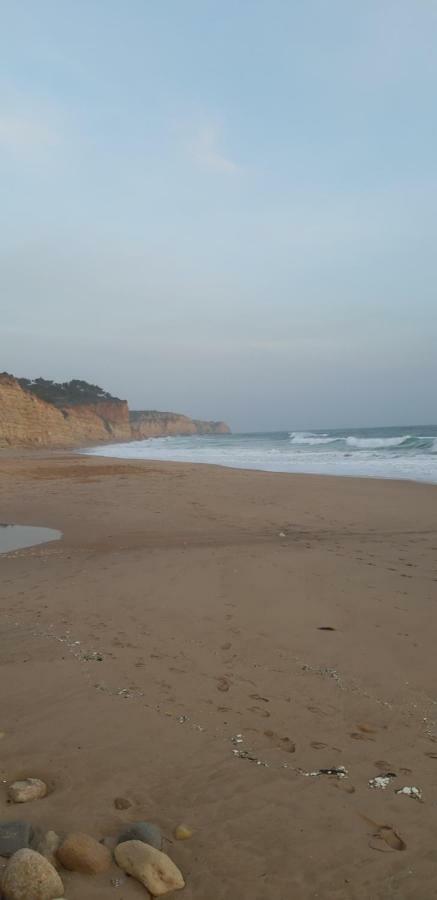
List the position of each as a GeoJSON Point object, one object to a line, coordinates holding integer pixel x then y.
{"type": "Point", "coordinates": [208, 623]}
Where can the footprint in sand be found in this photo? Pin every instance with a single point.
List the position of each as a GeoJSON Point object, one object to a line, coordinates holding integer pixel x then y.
{"type": "Point", "coordinates": [223, 684]}
{"type": "Point", "coordinates": [258, 697]}
{"type": "Point", "coordinates": [259, 711]}
{"type": "Point", "coordinates": [359, 736]}
{"type": "Point", "coordinates": [284, 743]}
{"type": "Point", "coordinates": [226, 646]}
{"type": "Point", "coordinates": [328, 711]}
{"type": "Point", "coordinates": [318, 745]}
{"type": "Point", "coordinates": [342, 786]}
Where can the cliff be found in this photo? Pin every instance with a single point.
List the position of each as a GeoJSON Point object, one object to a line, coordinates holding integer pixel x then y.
{"type": "Point", "coordinates": [77, 414]}
{"type": "Point", "coordinates": [151, 423]}
{"type": "Point", "coordinates": [211, 427]}
{"type": "Point", "coordinates": [27, 420]}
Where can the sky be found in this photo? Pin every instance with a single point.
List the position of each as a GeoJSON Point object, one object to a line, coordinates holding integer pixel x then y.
{"type": "Point", "coordinates": [226, 208]}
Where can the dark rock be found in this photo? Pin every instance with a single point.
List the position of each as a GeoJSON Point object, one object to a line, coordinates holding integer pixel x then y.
{"type": "Point", "coordinates": [122, 803]}
{"type": "Point", "coordinates": [14, 836]}
{"type": "Point", "coordinates": [142, 831]}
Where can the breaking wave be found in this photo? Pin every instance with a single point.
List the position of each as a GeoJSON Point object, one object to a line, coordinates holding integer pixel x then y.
{"type": "Point", "coordinates": [408, 452]}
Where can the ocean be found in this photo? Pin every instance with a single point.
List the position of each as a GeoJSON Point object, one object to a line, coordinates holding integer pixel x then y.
{"type": "Point", "coordinates": [399, 452]}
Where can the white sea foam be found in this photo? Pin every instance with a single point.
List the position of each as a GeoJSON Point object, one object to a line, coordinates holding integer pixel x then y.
{"type": "Point", "coordinates": [410, 455]}
{"type": "Point", "coordinates": [376, 443]}
{"type": "Point", "coordinates": [310, 438]}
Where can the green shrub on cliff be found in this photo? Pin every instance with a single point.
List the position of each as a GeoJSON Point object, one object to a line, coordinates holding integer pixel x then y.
{"type": "Point", "coordinates": [67, 393]}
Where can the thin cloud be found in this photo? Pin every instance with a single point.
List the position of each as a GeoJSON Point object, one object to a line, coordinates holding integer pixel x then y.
{"type": "Point", "coordinates": [26, 135]}
{"type": "Point", "coordinates": [205, 151]}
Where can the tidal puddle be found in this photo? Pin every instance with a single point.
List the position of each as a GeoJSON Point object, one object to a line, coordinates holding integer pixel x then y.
{"type": "Point", "coordinates": [17, 537]}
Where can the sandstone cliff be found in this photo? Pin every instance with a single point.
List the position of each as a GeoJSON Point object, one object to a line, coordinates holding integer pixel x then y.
{"type": "Point", "coordinates": [28, 420]}
{"type": "Point", "coordinates": [151, 423]}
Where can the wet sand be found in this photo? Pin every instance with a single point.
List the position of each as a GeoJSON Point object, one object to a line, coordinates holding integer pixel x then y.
{"type": "Point", "coordinates": [172, 617]}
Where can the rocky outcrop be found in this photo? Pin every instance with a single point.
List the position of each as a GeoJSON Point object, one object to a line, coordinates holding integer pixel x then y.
{"type": "Point", "coordinates": [151, 423]}
{"type": "Point", "coordinates": [27, 420]}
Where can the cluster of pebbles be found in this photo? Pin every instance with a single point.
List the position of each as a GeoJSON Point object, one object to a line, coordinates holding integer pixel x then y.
{"type": "Point", "coordinates": [33, 860]}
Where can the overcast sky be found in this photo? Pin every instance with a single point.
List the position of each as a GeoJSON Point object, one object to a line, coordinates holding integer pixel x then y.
{"type": "Point", "coordinates": [223, 207]}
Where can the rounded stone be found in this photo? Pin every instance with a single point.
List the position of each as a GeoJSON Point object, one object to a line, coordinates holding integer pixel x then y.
{"type": "Point", "coordinates": [142, 831]}
{"type": "Point", "coordinates": [82, 853]}
{"type": "Point", "coordinates": [26, 790]}
{"type": "Point", "coordinates": [48, 845]}
{"type": "Point", "coordinates": [29, 876]}
{"type": "Point", "coordinates": [155, 870]}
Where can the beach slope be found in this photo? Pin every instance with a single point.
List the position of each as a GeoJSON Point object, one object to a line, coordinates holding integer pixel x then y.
{"type": "Point", "coordinates": [202, 640]}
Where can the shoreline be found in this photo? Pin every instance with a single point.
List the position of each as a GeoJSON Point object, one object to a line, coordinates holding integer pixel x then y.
{"type": "Point", "coordinates": [79, 453]}
{"type": "Point", "coordinates": [206, 590]}
{"type": "Point", "coordinates": [88, 452]}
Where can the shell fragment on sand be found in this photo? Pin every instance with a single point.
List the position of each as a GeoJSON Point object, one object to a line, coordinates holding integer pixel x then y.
{"type": "Point", "coordinates": [381, 782]}
{"type": "Point", "coordinates": [338, 771]}
{"type": "Point", "coordinates": [414, 792]}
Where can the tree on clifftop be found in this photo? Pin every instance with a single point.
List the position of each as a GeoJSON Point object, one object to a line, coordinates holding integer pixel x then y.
{"type": "Point", "coordinates": [66, 393]}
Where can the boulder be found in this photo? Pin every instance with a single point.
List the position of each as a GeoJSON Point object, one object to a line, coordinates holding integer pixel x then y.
{"type": "Point", "coordinates": [14, 836]}
{"type": "Point", "coordinates": [28, 789]}
{"type": "Point", "coordinates": [153, 869]}
{"type": "Point", "coordinates": [82, 853]}
{"type": "Point", "coordinates": [142, 831]}
{"type": "Point", "coordinates": [29, 876]}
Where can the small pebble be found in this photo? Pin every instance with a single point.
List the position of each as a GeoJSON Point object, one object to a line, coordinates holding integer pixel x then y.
{"type": "Point", "coordinates": [182, 833]}
{"type": "Point", "coordinates": [26, 790]}
{"type": "Point", "coordinates": [122, 803]}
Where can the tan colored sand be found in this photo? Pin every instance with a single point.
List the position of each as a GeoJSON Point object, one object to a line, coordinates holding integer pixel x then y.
{"type": "Point", "coordinates": [207, 622]}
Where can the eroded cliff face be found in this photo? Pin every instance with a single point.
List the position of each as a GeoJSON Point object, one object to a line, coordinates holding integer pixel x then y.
{"type": "Point", "coordinates": [27, 421]}
{"type": "Point", "coordinates": [145, 424]}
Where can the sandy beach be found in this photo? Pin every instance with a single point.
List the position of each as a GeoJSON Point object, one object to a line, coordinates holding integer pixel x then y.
{"type": "Point", "coordinates": [188, 605]}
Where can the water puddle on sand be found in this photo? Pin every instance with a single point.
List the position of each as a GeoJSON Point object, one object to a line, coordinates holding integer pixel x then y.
{"type": "Point", "coordinates": [17, 537]}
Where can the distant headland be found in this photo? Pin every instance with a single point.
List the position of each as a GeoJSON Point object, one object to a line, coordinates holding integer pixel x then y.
{"type": "Point", "coordinates": [43, 413]}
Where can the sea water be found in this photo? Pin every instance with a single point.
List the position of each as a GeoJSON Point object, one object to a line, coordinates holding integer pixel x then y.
{"type": "Point", "coordinates": [397, 452]}
{"type": "Point", "coordinates": [18, 537]}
